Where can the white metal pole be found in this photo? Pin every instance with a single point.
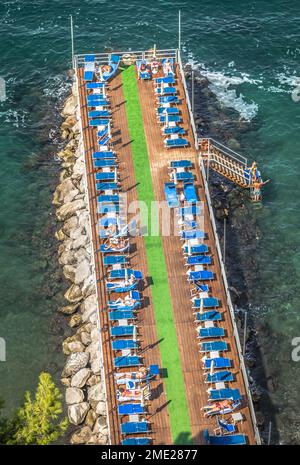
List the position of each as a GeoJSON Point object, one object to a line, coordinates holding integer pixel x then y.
{"type": "Point", "coordinates": [72, 40]}
{"type": "Point", "coordinates": [245, 334]}
{"type": "Point", "coordinates": [208, 162]}
{"type": "Point", "coordinates": [179, 30]}
{"type": "Point", "coordinates": [224, 242]}
{"type": "Point", "coordinates": [193, 90]}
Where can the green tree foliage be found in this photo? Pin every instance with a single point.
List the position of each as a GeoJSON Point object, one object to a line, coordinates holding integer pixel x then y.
{"type": "Point", "coordinates": [37, 421]}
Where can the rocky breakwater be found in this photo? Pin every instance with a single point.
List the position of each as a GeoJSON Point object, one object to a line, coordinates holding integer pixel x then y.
{"type": "Point", "coordinates": [85, 392]}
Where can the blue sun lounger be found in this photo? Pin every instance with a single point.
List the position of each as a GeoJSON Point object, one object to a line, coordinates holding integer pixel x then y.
{"type": "Point", "coordinates": [190, 210]}
{"type": "Point", "coordinates": [129, 361]}
{"type": "Point", "coordinates": [104, 141]}
{"type": "Point", "coordinates": [168, 99]}
{"type": "Point", "coordinates": [171, 195]}
{"type": "Point", "coordinates": [114, 198]}
{"type": "Point", "coordinates": [199, 260]}
{"type": "Point", "coordinates": [107, 186]}
{"type": "Point", "coordinates": [171, 119]}
{"type": "Point", "coordinates": [104, 163]}
{"type": "Point", "coordinates": [97, 102]}
{"type": "Point", "coordinates": [114, 260]}
{"type": "Point", "coordinates": [213, 345]}
{"type": "Point", "coordinates": [193, 234]}
{"type": "Point", "coordinates": [176, 142]}
{"type": "Point", "coordinates": [205, 333]}
{"type": "Point", "coordinates": [136, 295]}
{"type": "Point", "coordinates": [105, 222]}
{"type": "Point", "coordinates": [89, 67]}
{"type": "Point", "coordinates": [104, 154]}
{"type": "Point", "coordinates": [183, 176]}
{"type": "Point", "coordinates": [143, 74]}
{"type": "Point", "coordinates": [211, 315]}
{"type": "Point", "coordinates": [228, 440]}
{"type": "Point", "coordinates": [121, 274]}
{"type": "Point", "coordinates": [165, 80]}
{"type": "Point", "coordinates": [136, 442]}
{"type": "Point", "coordinates": [121, 331]}
{"type": "Point", "coordinates": [108, 208]}
{"type": "Point", "coordinates": [98, 114]}
{"type": "Point", "coordinates": [181, 164]}
{"type": "Point", "coordinates": [131, 409]}
{"type": "Point", "coordinates": [219, 362]}
{"type": "Point", "coordinates": [208, 302]}
{"type": "Point", "coordinates": [132, 427]}
{"type": "Point", "coordinates": [223, 425]}
{"type": "Point", "coordinates": [168, 110]}
{"type": "Point", "coordinates": [111, 287]}
{"type": "Point", "coordinates": [111, 249]}
{"type": "Point", "coordinates": [98, 122]}
{"type": "Point", "coordinates": [121, 315]}
{"type": "Point", "coordinates": [166, 91]}
{"type": "Point", "coordinates": [121, 344]}
{"type": "Point", "coordinates": [190, 192]}
{"type": "Point", "coordinates": [95, 85]}
{"type": "Point", "coordinates": [113, 63]}
{"type": "Point", "coordinates": [222, 394]}
{"type": "Point", "coordinates": [175, 130]}
{"type": "Point", "coordinates": [171, 67]}
{"type": "Point", "coordinates": [196, 249]}
{"type": "Point", "coordinates": [219, 376]}
{"type": "Point", "coordinates": [203, 275]}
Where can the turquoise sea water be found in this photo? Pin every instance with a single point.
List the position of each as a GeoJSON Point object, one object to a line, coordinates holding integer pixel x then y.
{"type": "Point", "coordinates": [250, 53]}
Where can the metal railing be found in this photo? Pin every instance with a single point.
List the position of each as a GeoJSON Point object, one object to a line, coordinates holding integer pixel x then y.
{"type": "Point", "coordinates": [236, 157]}
{"type": "Point", "coordinates": [229, 302]}
{"type": "Point", "coordinates": [104, 58]}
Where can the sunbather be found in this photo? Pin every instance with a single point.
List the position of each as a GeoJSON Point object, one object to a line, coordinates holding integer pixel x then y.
{"type": "Point", "coordinates": [182, 198]}
{"type": "Point", "coordinates": [124, 395]}
{"type": "Point", "coordinates": [168, 67]}
{"type": "Point", "coordinates": [139, 375]}
{"type": "Point", "coordinates": [214, 408]}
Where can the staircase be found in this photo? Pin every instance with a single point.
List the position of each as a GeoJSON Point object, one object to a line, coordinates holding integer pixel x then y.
{"type": "Point", "coordinates": [224, 161]}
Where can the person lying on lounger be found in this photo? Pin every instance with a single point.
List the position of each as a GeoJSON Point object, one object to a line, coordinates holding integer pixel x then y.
{"type": "Point", "coordinates": [126, 301]}
{"type": "Point", "coordinates": [106, 69]}
{"type": "Point", "coordinates": [139, 375]}
{"type": "Point", "coordinates": [115, 243]}
{"type": "Point", "coordinates": [182, 198]}
{"type": "Point", "coordinates": [168, 67]}
{"type": "Point", "coordinates": [214, 408]}
{"type": "Point", "coordinates": [131, 280]}
{"type": "Point", "coordinates": [128, 394]}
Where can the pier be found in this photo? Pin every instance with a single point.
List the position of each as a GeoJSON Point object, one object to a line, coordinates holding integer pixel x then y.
{"type": "Point", "coordinates": [181, 383]}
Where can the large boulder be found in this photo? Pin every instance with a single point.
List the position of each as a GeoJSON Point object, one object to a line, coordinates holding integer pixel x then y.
{"type": "Point", "coordinates": [81, 241]}
{"type": "Point", "coordinates": [81, 436]}
{"type": "Point", "coordinates": [77, 412]}
{"type": "Point", "coordinates": [101, 408]}
{"type": "Point", "coordinates": [74, 395]}
{"type": "Point", "coordinates": [69, 272]}
{"type": "Point", "coordinates": [72, 347]}
{"type": "Point", "coordinates": [80, 378]}
{"type": "Point", "coordinates": [96, 365]}
{"type": "Point", "coordinates": [96, 393]}
{"type": "Point", "coordinates": [75, 362]}
{"type": "Point", "coordinates": [82, 272]}
{"type": "Point", "coordinates": [69, 107]}
{"type": "Point", "coordinates": [70, 224]}
{"type": "Point", "coordinates": [88, 307]}
{"type": "Point", "coordinates": [74, 294]}
{"type": "Point", "coordinates": [75, 320]}
{"type": "Point", "coordinates": [69, 209]}
{"type": "Point", "coordinates": [69, 309]}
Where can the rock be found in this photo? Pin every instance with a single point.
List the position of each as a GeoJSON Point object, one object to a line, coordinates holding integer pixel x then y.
{"type": "Point", "coordinates": [101, 408]}
{"type": "Point", "coordinates": [81, 241]}
{"type": "Point", "coordinates": [88, 307]}
{"type": "Point", "coordinates": [67, 210]}
{"type": "Point", "coordinates": [69, 272]}
{"type": "Point", "coordinates": [60, 235]}
{"type": "Point", "coordinates": [90, 418]}
{"type": "Point", "coordinates": [75, 320]}
{"type": "Point", "coordinates": [71, 196]}
{"type": "Point", "coordinates": [69, 225]}
{"type": "Point", "coordinates": [100, 426]}
{"type": "Point", "coordinates": [95, 393]}
{"type": "Point", "coordinates": [69, 107]}
{"type": "Point", "coordinates": [77, 412]}
{"type": "Point", "coordinates": [69, 309]}
{"type": "Point", "coordinates": [72, 347]}
{"type": "Point", "coordinates": [233, 144]}
{"type": "Point", "coordinates": [81, 436]}
{"type": "Point", "coordinates": [78, 168]}
{"type": "Point", "coordinates": [259, 419]}
{"type": "Point", "coordinates": [75, 362]}
{"type": "Point", "coordinates": [65, 381]}
{"type": "Point", "coordinates": [82, 272]}
{"type": "Point", "coordinates": [80, 378]}
{"type": "Point", "coordinates": [88, 286]}
{"type": "Point", "coordinates": [96, 365]}
{"type": "Point", "coordinates": [86, 338]}
{"type": "Point", "coordinates": [94, 379]}
{"type": "Point", "coordinates": [67, 257]}
{"type": "Point", "coordinates": [74, 295]}
{"type": "Point", "coordinates": [74, 395]}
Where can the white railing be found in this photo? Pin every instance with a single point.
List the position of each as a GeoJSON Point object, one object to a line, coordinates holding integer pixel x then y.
{"type": "Point", "coordinates": [236, 157]}
{"type": "Point", "coordinates": [187, 98]}
{"type": "Point", "coordinates": [229, 302]}
{"type": "Point", "coordinates": [93, 252]}
{"type": "Point", "coordinates": [104, 58]}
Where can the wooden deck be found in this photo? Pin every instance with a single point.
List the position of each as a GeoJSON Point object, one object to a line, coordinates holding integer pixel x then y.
{"type": "Point", "coordinates": [158, 415]}
{"type": "Point", "coordinates": [159, 157]}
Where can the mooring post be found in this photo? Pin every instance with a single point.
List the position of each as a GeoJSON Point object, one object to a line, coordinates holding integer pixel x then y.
{"type": "Point", "coordinates": [72, 40]}
{"type": "Point", "coordinates": [224, 241]}
{"type": "Point", "coordinates": [193, 91]}
{"type": "Point", "coordinates": [245, 333]}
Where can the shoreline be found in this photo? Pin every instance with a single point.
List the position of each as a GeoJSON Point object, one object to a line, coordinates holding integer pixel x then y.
{"type": "Point", "coordinates": [81, 375]}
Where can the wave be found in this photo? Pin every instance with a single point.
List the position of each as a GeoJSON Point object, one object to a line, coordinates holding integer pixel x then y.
{"type": "Point", "coordinates": [224, 84]}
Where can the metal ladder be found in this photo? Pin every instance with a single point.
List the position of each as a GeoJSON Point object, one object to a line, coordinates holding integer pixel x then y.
{"type": "Point", "coordinates": [224, 161]}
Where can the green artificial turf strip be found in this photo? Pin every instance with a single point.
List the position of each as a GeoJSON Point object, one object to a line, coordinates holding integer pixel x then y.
{"type": "Point", "coordinates": [175, 388]}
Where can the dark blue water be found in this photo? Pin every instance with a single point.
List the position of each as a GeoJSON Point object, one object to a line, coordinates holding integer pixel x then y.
{"type": "Point", "coordinates": [250, 54]}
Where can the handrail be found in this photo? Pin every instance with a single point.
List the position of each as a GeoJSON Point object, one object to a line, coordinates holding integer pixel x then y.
{"type": "Point", "coordinates": [229, 302]}
{"type": "Point", "coordinates": [187, 98]}
{"type": "Point", "coordinates": [104, 57]}
{"type": "Point", "coordinates": [227, 151]}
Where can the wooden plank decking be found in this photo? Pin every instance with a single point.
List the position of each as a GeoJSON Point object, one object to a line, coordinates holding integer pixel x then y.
{"type": "Point", "coordinates": [159, 157]}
